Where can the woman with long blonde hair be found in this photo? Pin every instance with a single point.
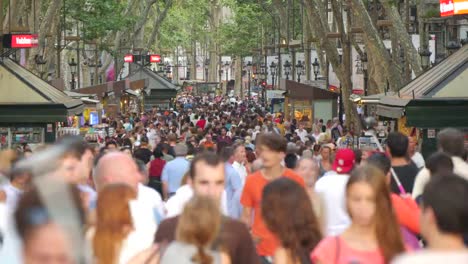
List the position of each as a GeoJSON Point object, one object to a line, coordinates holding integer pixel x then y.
{"type": "Point", "coordinates": [374, 236]}
{"type": "Point", "coordinates": [197, 235]}
{"type": "Point", "coordinates": [113, 224]}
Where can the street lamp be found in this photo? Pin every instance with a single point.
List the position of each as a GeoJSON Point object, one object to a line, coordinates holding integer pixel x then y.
{"type": "Point", "coordinates": [425, 57]}
{"type": "Point", "coordinates": [226, 68]}
{"type": "Point", "coordinates": [273, 73]}
{"type": "Point", "coordinates": [39, 59]}
{"type": "Point", "coordinates": [299, 70]}
{"type": "Point", "coordinates": [189, 65]}
{"type": "Point", "coordinates": [248, 68]}
{"type": "Point", "coordinates": [207, 63]}
{"type": "Point", "coordinates": [364, 63]}
{"type": "Point", "coordinates": [97, 65]}
{"type": "Point", "coordinates": [287, 69]}
{"type": "Point", "coordinates": [316, 68]}
{"type": "Point", "coordinates": [73, 65]}
{"type": "Point", "coordinates": [263, 76]}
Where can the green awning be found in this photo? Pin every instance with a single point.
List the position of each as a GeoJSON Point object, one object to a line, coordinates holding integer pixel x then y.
{"type": "Point", "coordinates": [437, 113]}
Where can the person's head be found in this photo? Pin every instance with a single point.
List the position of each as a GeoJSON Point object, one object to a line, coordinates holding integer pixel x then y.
{"type": "Point", "coordinates": [143, 169]}
{"type": "Point", "coordinates": [290, 160]}
{"type": "Point", "coordinates": [397, 145]}
{"type": "Point", "coordinates": [44, 241]}
{"type": "Point", "coordinates": [344, 161]}
{"type": "Point", "coordinates": [444, 209]}
{"type": "Point", "coordinates": [382, 162]}
{"type": "Point", "coordinates": [227, 153]}
{"type": "Point", "coordinates": [240, 154]}
{"type": "Point", "coordinates": [272, 149]}
{"type": "Point", "coordinates": [107, 172]}
{"type": "Point", "coordinates": [113, 221]}
{"type": "Point", "coordinates": [208, 137]}
{"type": "Point", "coordinates": [369, 206]}
{"type": "Point", "coordinates": [325, 152]}
{"type": "Point", "coordinates": [111, 146]}
{"type": "Point", "coordinates": [412, 142]}
{"type": "Point", "coordinates": [439, 163]}
{"type": "Point", "coordinates": [77, 161]}
{"type": "Point", "coordinates": [308, 169]}
{"type": "Point", "coordinates": [451, 141]}
{"type": "Point", "coordinates": [223, 131]}
{"type": "Point", "coordinates": [207, 175]}
{"type": "Point", "coordinates": [180, 150]}
{"type": "Point", "coordinates": [288, 213]}
{"type": "Point", "coordinates": [20, 177]}
{"type": "Point", "coordinates": [199, 225]}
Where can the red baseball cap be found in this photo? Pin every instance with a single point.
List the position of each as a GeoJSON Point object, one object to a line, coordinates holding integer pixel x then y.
{"type": "Point", "coordinates": [344, 161]}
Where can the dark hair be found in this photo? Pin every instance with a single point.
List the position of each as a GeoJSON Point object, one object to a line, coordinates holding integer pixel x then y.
{"type": "Point", "coordinates": [32, 213]}
{"type": "Point", "coordinates": [157, 152]}
{"type": "Point", "coordinates": [208, 157]}
{"type": "Point", "coordinates": [290, 160]}
{"type": "Point", "coordinates": [226, 153]}
{"type": "Point", "coordinates": [439, 163]}
{"type": "Point", "coordinates": [451, 141]}
{"type": "Point", "coordinates": [398, 144]}
{"type": "Point", "coordinates": [447, 197]}
{"type": "Point", "coordinates": [111, 142]}
{"type": "Point", "coordinates": [288, 213]}
{"type": "Point", "coordinates": [381, 161]}
{"type": "Point", "coordinates": [272, 141]}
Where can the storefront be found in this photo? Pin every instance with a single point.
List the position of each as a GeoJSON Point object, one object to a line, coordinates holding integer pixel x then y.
{"type": "Point", "coordinates": [306, 103]}
{"type": "Point", "coordinates": [157, 91]}
{"type": "Point", "coordinates": [434, 100]}
{"type": "Point", "coordinates": [30, 108]}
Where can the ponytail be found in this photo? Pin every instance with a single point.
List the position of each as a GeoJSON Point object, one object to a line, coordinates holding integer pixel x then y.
{"type": "Point", "coordinates": [201, 257]}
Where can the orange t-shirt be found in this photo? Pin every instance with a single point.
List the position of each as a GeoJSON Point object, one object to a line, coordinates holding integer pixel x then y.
{"type": "Point", "coordinates": [252, 197]}
{"type": "Point", "coordinates": [407, 212]}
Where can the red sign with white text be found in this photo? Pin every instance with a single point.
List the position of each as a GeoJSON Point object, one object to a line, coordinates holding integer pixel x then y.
{"type": "Point", "coordinates": [20, 41]}
{"type": "Point", "coordinates": [128, 58]}
{"type": "Point", "coordinates": [453, 7]}
{"type": "Point", "coordinates": [155, 58]}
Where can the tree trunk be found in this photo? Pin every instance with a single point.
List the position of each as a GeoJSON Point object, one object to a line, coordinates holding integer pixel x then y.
{"type": "Point", "coordinates": [238, 76]}
{"type": "Point", "coordinates": [374, 44]}
{"type": "Point", "coordinates": [404, 38]}
{"type": "Point", "coordinates": [158, 18]}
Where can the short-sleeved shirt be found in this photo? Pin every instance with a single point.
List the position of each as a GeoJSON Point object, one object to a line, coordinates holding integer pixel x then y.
{"type": "Point", "coordinates": [173, 173]}
{"type": "Point", "coordinates": [335, 250]}
{"type": "Point", "coordinates": [252, 197]}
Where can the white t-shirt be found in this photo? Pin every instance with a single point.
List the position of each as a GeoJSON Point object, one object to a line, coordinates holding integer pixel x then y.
{"type": "Point", "coordinates": [13, 195]}
{"type": "Point", "coordinates": [175, 205]}
{"type": "Point", "coordinates": [302, 134]}
{"type": "Point", "coordinates": [332, 189]}
{"type": "Point", "coordinates": [433, 257]}
{"type": "Point", "coordinates": [460, 167]}
{"type": "Point", "coordinates": [241, 170]}
{"type": "Point", "coordinates": [418, 160]}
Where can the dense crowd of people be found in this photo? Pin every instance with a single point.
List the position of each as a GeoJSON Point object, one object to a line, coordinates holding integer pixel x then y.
{"type": "Point", "coordinates": [215, 181]}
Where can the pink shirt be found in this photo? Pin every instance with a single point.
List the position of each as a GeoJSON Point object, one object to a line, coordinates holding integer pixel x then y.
{"type": "Point", "coordinates": [326, 252]}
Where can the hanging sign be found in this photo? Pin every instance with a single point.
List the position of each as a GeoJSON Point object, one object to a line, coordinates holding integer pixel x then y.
{"type": "Point", "coordinates": [155, 58]}
{"type": "Point", "coordinates": [128, 58]}
{"type": "Point", "coordinates": [20, 41]}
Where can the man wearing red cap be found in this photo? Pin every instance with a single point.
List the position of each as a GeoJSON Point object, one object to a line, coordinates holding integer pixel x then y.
{"type": "Point", "coordinates": [332, 189]}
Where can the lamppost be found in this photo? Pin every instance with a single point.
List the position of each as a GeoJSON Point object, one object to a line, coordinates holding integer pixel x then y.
{"type": "Point", "coordinates": [248, 69]}
{"type": "Point", "coordinates": [425, 54]}
{"type": "Point", "coordinates": [273, 73]}
{"type": "Point", "coordinates": [263, 76]}
{"type": "Point", "coordinates": [316, 68]}
{"type": "Point", "coordinates": [364, 64]}
{"type": "Point", "coordinates": [226, 68]}
{"type": "Point", "coordinates": [93, 65]}
{"type": "Point", "coordinates": [73, 65]}
{"type": "Point", "coordinates": [287, 69]}
{"type": "Point", "coordinates": [207, 63]}
{"type": "Point", "coordinates": [299, 70]}
{"type": "Point", "coordinates": [39, 59]}
{"type": "Point", "coordinates": [364, 71]}
{"type": "Point", "coordinates": [189, 64]}
{"type": "Point", "coordinates": [168, 69]}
